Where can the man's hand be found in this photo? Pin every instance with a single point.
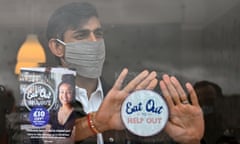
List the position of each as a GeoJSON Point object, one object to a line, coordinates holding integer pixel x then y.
{"type": "Point", "coordinates": [186, 123]}
{"type": "Point", "coordinates": [108, 116]}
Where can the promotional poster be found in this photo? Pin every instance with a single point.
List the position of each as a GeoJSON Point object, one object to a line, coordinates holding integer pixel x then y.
{"type": "Point", "coordinates": [45, 94]}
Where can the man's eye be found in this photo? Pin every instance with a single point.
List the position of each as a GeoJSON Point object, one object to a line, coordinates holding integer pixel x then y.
{"type": "Point", "coordinates": [98, 33]}
{"type": "Point", "coordinates": [82, 34]}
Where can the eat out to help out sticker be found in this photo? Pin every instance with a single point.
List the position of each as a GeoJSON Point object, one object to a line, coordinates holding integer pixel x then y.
{"type": "Point", "coordinates": [144, 113]}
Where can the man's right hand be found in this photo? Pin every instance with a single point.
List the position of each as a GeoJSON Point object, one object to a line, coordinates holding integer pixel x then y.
{"type": "Point", "coordinates": [108, 117]}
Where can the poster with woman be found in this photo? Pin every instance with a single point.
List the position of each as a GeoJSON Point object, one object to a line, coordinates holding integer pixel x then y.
{"type": "Point", "coordinates": [47, 96]}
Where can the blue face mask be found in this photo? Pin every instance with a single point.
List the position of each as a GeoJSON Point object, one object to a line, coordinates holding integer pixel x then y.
{"type": "Point", "coordinates": [86, 57]}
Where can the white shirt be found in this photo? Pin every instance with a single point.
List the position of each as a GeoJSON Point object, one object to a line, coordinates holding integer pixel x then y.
{"type": "Point", "coordinates": [92, 104]}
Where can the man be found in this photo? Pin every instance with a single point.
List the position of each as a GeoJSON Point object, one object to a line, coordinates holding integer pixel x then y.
{"type": "Point", "coordinates": [78, 22]}
{"type": "Point", "coordinates": [75, 36]}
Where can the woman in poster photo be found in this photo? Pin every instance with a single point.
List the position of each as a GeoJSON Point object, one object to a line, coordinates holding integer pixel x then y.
{"type": "Point", "coordinates": [61, 123]}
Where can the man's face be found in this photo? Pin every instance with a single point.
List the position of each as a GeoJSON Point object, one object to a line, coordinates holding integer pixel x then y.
{"type": "Point", "coordinates": [90, 31]}
{"type": "Point", "coordinates": [85, 48]}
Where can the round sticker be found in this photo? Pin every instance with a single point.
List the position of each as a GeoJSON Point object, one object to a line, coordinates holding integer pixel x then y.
{"type": "Point", "coordinates": [39, 116]}
{"type": "Point", "coordinates": [144, 113]}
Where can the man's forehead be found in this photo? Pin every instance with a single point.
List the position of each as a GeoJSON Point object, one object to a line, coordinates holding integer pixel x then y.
{"type": "Point", "coordinates": [91, 24]}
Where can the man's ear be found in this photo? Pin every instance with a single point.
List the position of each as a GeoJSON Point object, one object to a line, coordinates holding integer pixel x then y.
{"type": "Point", "coordinates": [56, 48]}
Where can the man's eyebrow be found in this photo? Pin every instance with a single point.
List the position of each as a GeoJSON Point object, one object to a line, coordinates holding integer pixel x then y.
{"type": "Point", "coordinates": [85, 29]}
{"type": "Point", "coordinates": [80, 30]}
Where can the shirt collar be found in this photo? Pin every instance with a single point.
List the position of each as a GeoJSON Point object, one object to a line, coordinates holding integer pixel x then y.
{"type": "Point", "coordinates": [99, 88]}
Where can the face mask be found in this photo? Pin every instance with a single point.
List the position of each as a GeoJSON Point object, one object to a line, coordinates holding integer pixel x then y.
{"type": "Point", "coordinates": [86, 57]}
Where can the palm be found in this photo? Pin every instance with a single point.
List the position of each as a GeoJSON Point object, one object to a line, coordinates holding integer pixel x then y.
{"type": "Point", "coordinates": [184, 122]}
{"type": "Point", "coordinates": [109, 112]}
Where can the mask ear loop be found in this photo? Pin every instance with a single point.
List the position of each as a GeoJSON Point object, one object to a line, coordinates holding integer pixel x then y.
{"type": "Point", "coordinates": [62, 59]}
{"type": "Point", "coordinates": [61, 42]}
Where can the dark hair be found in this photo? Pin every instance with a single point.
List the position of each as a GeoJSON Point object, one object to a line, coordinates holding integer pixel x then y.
{"type": "Point", "coordinates": [69, 16]}
{"type": "Point", "coordinates": [205, 83]}
{"type": "Point", "coordinates": [67, 79]}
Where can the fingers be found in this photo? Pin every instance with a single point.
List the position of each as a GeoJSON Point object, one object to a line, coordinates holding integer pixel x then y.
{"type": "Point", "coordinates": [132, 85]}
{"type": "Point", "coordinates": [171, 89]}
{"type": "Point", "coordinates": [174, 93]}
{"type": "Point", "coordinates": [118, 83]}
{"type": "Point", "coordinates": [165, 93]}
{"type": "Point", "coordinates": [169, 85]}
{"type": "Point", "coordinates": [149, 83]}
{"type": "Point", "coordinates": [152, 84]}
{"type": "Point", "coordinates": [179, 89]}
{"type": "Point", "coordinates": [144, 80]}
{"type": "Point", "coordinates": [193, 95]}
